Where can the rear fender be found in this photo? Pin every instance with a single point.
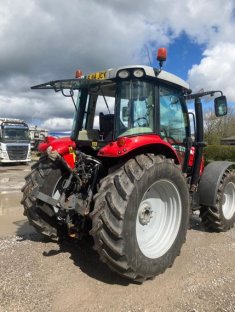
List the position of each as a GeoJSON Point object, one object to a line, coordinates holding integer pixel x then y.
{"type": "Point", "coordinates": [210, 181]}
{"type": "Point", "coordinates": [138, 145]}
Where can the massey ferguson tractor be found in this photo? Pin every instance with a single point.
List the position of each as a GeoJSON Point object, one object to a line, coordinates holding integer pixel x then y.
{"type": "Point", "coordinates": [132, 172]}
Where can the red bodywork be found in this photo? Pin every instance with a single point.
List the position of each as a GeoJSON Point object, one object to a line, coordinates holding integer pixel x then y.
{"type": "Point", "coordinates": [121, 147]}
{"type": "Point", "coordinates": [191, 160]}
{"type": "Point", "coordinates": [62, 146]}
{"type": "Point", "coordinates": [125, 145]}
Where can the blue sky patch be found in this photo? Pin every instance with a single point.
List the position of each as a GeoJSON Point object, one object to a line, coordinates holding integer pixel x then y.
{"type": "Point", "coordinates": [182, 54]}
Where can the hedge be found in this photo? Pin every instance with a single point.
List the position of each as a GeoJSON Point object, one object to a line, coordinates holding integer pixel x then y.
{"type": "Point", "coordinates": [219, 152]}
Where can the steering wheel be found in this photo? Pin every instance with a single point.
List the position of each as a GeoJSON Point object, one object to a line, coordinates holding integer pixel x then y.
{"type": "Point", "coordinates": [146, 124]}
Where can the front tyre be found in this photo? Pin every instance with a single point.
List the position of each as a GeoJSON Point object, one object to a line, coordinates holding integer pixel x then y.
{"type": "Point", "coordinates": [221, 217]}
{"type": "Point", "coordinates": [140, 218]}
{"type": "Point", "coordinates": [48, 178]}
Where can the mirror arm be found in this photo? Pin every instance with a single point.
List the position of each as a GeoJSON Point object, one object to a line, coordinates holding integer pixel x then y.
{"type": "Point", "coordinates": [201, 94]}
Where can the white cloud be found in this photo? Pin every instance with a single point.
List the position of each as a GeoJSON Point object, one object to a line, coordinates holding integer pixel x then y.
{"type": "Point", "coordinates": [21, 102]}
{"type": "Point", "coordinates": [50, 37]}
{"type": "Point", "coordinates": [58, 124]}
{"type": "Point", "coordinates": [216, 70]}
{"type": "Point", "coordinates": [45, 40]}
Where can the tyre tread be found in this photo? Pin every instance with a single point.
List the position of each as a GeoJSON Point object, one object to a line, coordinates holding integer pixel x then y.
{"type": "Point", "coordinates": [109, 208]}
{"type": "Point", "coordinates": [211, 216]}
{"type": "Point", "coordinates": [32, 206]}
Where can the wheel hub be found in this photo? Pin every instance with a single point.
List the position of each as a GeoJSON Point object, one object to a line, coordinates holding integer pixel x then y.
{"type": "Point", "coordinates": [158, 219]}
{"type": "Point", "coordinates": [145, 214]}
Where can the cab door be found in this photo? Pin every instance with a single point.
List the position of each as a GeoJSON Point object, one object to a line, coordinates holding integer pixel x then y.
{"type": "Point", "coordinates": [174, 123]}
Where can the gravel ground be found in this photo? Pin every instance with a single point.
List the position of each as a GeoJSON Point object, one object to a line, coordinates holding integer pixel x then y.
{"type": "Point", "coordinates": [38, 275]}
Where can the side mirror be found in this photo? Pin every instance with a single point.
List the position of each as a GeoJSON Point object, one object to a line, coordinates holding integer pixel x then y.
{"type": "Point", "coordinates": [220, 106]}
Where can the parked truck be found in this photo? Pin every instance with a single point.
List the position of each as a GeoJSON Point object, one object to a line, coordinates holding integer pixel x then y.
{"type": "Point", "coordinates": [14, 141]}
{"type": "Point", "coordinates": [37, 135]}
{"type": "Point", "coordinates": [132, 182]}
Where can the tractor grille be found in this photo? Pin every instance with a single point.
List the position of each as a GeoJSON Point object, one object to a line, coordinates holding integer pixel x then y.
{"type": "Point", "coordinates": [17, 152]}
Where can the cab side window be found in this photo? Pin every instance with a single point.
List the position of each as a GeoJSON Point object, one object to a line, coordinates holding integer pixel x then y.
{"type": "Point", "coordinates": [172, 118]}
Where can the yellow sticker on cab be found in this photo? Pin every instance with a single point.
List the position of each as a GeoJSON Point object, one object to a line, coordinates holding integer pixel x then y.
{"type": "Point", "coordinates": [98, 75]}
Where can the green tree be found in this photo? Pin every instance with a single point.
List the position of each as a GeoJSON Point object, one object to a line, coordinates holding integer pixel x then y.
{"type": "Point", "coordinates": [217, 128]}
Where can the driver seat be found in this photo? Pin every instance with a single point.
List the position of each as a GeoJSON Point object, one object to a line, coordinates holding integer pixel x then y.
{"type": "Point", "coordinates": [106, 126]}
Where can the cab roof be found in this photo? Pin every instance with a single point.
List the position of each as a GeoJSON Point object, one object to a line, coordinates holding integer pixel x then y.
{"type": "Point", "coordinates": [152, 72]}
{"type": "Point", "coordinates": [107, 76]}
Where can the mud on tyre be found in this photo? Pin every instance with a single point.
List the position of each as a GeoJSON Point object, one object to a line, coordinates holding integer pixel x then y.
{"type": "Point", "coordinates": [140, 217]}
{"type": "Point", "coordinates": [45, 177]}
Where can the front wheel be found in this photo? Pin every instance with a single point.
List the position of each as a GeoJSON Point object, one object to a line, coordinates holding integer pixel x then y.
{"type": "Point", "coordinates": [221, 217]}
{"type": "Point", "coordinates": [48, 178]}
{"type": "Point", "coordinates": [140, 217]}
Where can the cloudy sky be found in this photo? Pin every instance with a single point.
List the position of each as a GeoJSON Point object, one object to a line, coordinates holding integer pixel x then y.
{"type": "Point", "coordinates": [43, 40]}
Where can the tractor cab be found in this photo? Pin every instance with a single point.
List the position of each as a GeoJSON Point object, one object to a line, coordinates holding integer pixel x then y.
{"type": "Point", "coordinates": [125, 110]}
{"type": "Point", "coordinates": [130, 102]}
{"type": "Point", "coordinates": [138, 104]}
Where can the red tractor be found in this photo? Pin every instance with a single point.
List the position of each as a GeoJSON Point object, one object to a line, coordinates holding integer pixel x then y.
{"type": "Point", "coordinates": [132, 172]}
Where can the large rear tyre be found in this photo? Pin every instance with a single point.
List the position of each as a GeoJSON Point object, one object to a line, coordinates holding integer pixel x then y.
{"type": "Point", "coordinates": [140, 217]}
{"type": "Point", "coordinates": [47, 178]}
{"type": "Point", "coordinates": [221, 217]}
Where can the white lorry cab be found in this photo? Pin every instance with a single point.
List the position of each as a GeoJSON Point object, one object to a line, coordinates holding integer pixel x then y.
{"type": "Point", "coordinates": [14, 141]}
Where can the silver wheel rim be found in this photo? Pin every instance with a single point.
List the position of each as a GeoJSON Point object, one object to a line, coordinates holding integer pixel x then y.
{"type": "Point", "coordinates": [228, 204]}
{"type": "Point", "coordinates": [158, 219]}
